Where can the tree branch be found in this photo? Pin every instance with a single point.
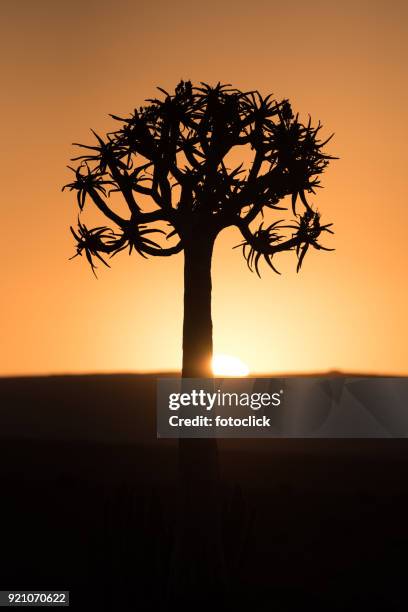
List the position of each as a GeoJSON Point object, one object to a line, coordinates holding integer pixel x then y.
{"type": "Point", "coordinates": [266, 242]}
{"type": "Point", "coordinates": [265, 190]}
{"type": "Point", "coordinates": [104, 208]}
{"type": "Point", "coordinates": [124, 186]}
{"type": "Point", "coordinates": [154, 215]}
{"type": "Point", "coordinates": [288, 245]}
{"type": "Point", "coordinates": [163, 252]}
{"type": "Point", "coordinates": [152, 193]}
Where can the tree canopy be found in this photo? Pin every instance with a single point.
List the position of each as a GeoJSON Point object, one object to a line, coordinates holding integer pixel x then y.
{"type": "Point", "coordinates": [177, 150]}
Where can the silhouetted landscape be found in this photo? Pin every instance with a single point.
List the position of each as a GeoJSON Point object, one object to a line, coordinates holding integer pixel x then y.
{"type": "Point", "coordinates": [90, 503]}
{"type": "Point", "coordinates": [204, 191]}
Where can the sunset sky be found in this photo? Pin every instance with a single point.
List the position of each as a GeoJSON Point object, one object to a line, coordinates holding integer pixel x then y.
{"type": "Point", "coordinates": [66, 65]}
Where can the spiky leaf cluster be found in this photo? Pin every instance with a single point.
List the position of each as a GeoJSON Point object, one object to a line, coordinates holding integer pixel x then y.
{"type": "Point", "coordinates": [175, 150]}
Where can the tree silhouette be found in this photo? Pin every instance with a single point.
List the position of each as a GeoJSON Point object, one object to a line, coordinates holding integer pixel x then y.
{"type": "Point", "coordinates": [176, 154]}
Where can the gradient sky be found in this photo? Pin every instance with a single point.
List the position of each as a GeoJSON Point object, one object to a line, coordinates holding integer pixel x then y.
{"type": "Point", "coordinates": [65, 66]}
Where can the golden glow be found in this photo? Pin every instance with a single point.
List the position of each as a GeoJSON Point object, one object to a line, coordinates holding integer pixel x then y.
{"type": "Point", "coordinates": [226, 365]}
{"type": "Point", "coordinates": [342, 62]}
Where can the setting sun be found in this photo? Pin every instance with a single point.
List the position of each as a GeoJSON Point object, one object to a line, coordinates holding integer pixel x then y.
{"type": "Point", "coordinates": [226, 365]}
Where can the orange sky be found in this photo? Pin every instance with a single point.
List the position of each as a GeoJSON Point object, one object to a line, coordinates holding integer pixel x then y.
{"type": "Point", "coordinates": [65, 66]}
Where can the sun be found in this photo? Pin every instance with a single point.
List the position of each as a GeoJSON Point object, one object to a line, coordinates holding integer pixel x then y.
{"type": "Point", "coordinates": [226, 365]}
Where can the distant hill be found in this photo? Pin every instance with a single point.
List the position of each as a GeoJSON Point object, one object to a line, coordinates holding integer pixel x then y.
{"type": "Point", "coordinates": [114, 408]}
{"type": "Point", "coordinates": [111, 408]}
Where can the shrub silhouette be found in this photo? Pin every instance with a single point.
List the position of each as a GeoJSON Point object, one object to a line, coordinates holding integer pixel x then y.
{"type": "Point", "coordinates": [174, 150]}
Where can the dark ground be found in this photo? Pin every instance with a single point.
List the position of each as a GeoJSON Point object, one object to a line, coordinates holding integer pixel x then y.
{"type": "Point", "coordinates": [89, 502]}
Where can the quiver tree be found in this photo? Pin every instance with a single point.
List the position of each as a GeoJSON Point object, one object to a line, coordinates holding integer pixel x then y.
{"type": "Point", "coordinates": [177, 152]}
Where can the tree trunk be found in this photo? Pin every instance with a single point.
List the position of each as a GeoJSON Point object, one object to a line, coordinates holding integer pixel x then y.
{"type": "Point", "coordinates": [198, 457]}
{"type": "Point", "coordinates": [197, 325]}
{"type": "Point", "coordinates": [198, 568]}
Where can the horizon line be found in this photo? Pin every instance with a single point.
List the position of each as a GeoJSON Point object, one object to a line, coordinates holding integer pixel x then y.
{"type": "Point", "coordinates": [169, 372]}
